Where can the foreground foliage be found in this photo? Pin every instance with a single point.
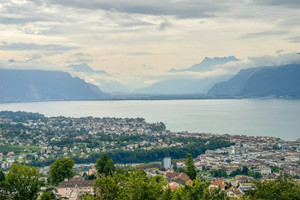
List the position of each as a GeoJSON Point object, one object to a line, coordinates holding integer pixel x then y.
{"type": "Point", "coordinates": [61, 169]}
{"type": "Point", "coordinates": [22, 182]}
{"type": "Point", "coordinates": [282, 188]}
{"type": "Point", "coordinates": [105, 165]}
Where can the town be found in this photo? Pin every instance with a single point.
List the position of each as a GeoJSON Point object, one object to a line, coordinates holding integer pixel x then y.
{"type": "Point", "coordinates": [229, 162]}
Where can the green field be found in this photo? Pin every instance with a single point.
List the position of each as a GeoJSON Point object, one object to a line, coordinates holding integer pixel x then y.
{"type": "Point", "coordinates": [8, 148]}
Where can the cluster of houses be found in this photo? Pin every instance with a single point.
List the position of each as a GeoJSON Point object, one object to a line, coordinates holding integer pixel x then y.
{"type": "Point", "coordinates": [75, 187]}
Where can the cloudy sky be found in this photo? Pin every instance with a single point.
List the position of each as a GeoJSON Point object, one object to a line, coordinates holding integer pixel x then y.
{"type": "Point", "coordinates": [138, 42]}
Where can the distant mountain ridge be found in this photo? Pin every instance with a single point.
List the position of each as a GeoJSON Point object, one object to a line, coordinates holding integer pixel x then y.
{"type": "Point", "coordinates": [207, 64]}
{"type": "Point", "coordinates": [39, 85]}
{"type": "Point", "coordinates": [182, 86]}
{"type": "Point", "coordinates": [262, 82]}
{"type": "Point", "coordinates": [83, 67]}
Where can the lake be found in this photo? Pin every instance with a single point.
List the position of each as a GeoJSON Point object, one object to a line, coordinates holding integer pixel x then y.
{"type": "Point", "coordinates": [256, 117]}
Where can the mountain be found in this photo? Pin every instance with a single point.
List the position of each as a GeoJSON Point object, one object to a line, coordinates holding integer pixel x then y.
{"type": "Point", "coordinates": [262, 82]}
{"type": "Point", "coordinates": [83, 67]}
{"type": "Point", "coordinates": [39, 85]}
{"type": "Point", "coordinates": [207, 64]}
{"type": "Point", "coordinates": [112, 86]}
{"type": "Point", "coordinates": [104, 82]}
{"type": "Point", "coordinates": [182, 86]}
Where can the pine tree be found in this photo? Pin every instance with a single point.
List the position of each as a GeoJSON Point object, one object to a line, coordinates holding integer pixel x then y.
{"type": "Point", "coordinates": [190, 168]}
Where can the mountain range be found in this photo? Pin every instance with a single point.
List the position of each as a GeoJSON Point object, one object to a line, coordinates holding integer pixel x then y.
{"type": "Point", "coordinates": [39, 85]}
{"type": "Point", "coordinates": [83, 67]}
{"type": "Point", "coordinates": [190, 86]}
{"type": "Point", "coordinates": [207, 64]}
{"type": "Point", "coordinates": [281, 81]}
{"type": "Point", "coordinates": [182, 86]}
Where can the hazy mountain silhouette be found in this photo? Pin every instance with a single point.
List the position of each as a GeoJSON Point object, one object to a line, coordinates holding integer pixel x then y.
{"type": "Point", "coordinates": [39, 85]}
{"type": "Point", "coordinates": [182, 86]}
{"type": "Point", "coordinates": [261, 82]}
{"type": "Point", "coordinates": [207, 64]}
{"type": "Point", "coordinates": [83, 67]}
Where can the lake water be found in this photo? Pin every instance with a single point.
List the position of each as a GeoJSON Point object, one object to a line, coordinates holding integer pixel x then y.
{"type": "Point", "coordinates": [280, 118]}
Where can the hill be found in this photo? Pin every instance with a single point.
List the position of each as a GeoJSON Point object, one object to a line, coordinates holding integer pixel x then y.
{"type": "Point", "coordinates": [39, 85]}
{"type": "Point", "coordinates": [262, 82]}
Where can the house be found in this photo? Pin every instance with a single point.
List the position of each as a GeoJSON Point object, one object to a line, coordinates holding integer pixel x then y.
{"type": "Point", "coordinates": [218, 183]}
{"type": "Point", "coordinates": [173, 186]}
{"type": "Point", "coordinates": [243, 179]}
{"type": "Point", "coordinates": [265, 170]}
{"type": "Point", "coordinates": [72, 189]}
{"type": "Point", "coordinates": [10, 153]}
{"type": "Point", "coordinates": [232, 192]}
{"type": "Point", "coordinates": [244, 189]}
{"type": "Point", "coordinates": [181, 178]}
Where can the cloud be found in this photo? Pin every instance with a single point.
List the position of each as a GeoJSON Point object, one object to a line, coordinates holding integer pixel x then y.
{"type": "Point", "coordinates": [18, 20]}
{"type": "Point", "coordinates": [294, 39]}
{"type": "Point", "coordinates": [259, 61]}
{"type": "Point", "coordinates": [80, 58]}
{"type": "Point", "coordinates": [31, 64]}
{"type": "Point", "coordinates": [262, 34]}
{"type": "Point", "coordinates": [140, 53]}
{"type": "Point", "coordinates": [33, 46]}
{"type": "Point", "coordinates": [164, 25]}
{"type": "Point", "coordinates": [287, 3]}
{"type": "Point", "coordinates": [181, 9]}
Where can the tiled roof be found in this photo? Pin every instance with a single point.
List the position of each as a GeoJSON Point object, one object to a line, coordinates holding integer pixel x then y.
{"type": "Point", "coordinates": [219, 182]}
{"type": "Point", "coordinates": [80, 182]}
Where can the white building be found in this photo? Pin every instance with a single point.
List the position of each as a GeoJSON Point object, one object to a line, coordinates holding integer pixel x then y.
{"type": "Point", "coordinates": [167, 162]}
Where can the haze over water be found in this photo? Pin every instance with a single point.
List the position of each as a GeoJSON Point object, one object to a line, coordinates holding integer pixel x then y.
{"type": "Point", "coordinates": [279, 118]}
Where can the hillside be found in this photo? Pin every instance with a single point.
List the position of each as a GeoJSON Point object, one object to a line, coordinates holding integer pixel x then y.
{"type": "Point", "coordinates": [262, 82]}
{"type": "Point", "coordinates": [39, 85]}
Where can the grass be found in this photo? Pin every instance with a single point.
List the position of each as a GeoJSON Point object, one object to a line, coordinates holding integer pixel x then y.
{"type": "Point", "coordinates": [16, 149]}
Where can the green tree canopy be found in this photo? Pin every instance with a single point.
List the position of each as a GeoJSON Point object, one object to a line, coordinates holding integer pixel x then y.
{"type": "Point", "coordinates": [22, 182]}
{"type": "Point", "coordinates": [61, 169]}
{"type": "Point", "coordinates": [2, 176]}
{"type": "Point", "coordinates": [48, 196]}
{"type": "Point", "coordinates": [105, 165]}
{"type": "Point", "coordinates": [190, 168]}
{"type": "Point", "coordinates": [282, 188]}
{"type": "Point", "coordinates": [132, 185]}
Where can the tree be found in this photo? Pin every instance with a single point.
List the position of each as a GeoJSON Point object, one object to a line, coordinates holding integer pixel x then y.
{"type": "Point", "coordinates": [245, 170]}
{"type": "Point", "coordinates": [282, 188]}
{"type": "Point", "coordinates": [219, 173]}
{"type": "Point", "coordinates": [190, 168]}
{"type": "Point", "coordinates": [61, 169]}
{"type": "Point", "coordinates": [87, 196]}
{"type": "Point", "coordinates": [105, 165]}
{"type": "Point", "coordinates": [48, 196]}
{"type": "Point", "coordinates": [131, 185]}
{"type": "Point", "coordinates": [2, 176]}
{"type": "Point", "coordinates": [5, 190]}
{"type": "Point", "coordinates": [23, 182]}
{"type": "Point", "coordinates": [107, 187]}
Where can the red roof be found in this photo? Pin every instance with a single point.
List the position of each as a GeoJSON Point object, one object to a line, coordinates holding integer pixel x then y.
{"type": "Point", "coordinates": [219, 183]}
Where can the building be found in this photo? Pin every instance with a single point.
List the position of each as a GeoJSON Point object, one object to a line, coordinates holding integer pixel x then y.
{"type": "Point", "coordinates": [72, 189]}
{"type": "Point", "coordinates": [167, 162]}
{"type": "Point", "coordinates": [180, 178]}
{"type": "Point", "coordinates": [218, 183]}
{"type": "Point", "coordinates": [232, 192]}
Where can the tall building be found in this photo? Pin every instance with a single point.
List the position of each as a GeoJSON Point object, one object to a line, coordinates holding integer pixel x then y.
{"type": "Point", "coordinates": [167, 162]}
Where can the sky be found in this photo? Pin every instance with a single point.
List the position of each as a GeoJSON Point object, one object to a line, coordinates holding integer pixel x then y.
{"type": "Point", "coordinates": [137, 42]}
